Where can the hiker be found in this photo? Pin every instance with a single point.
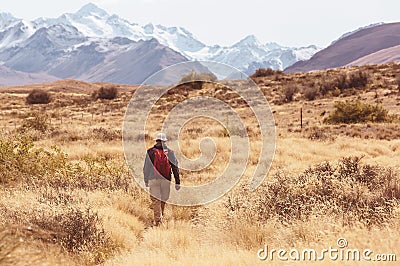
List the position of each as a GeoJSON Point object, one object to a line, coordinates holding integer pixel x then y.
{"type": "Point", "coordinates": [159, 162]}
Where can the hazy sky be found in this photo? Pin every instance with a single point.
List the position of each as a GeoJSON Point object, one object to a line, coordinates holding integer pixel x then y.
{"type": "Point", "coordinates": [291, 23]}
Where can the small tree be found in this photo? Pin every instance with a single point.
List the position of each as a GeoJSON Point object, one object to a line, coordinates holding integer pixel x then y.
{"type": "Point", "coordinates": [38, 96]}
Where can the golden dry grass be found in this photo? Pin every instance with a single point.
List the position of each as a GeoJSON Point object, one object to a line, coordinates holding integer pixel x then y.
{"type": "Point", "coordinates": [88, 130]}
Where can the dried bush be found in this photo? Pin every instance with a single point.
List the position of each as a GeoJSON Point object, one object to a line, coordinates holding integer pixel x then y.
{"type": "Point", "coordinates": [38, 96]}
{"type": "Point", "coordinates": [266, 72]}
{"type": "Point", "coordinates": [37, 121]}
{"type": "Point", "coordinates": [289, 92]}
{"type": "Point", "coordinates": [349, 191]}
{"type": "Point", "coordinates": [311, 93]}
{"type": "Point", "coordinates": [193, 76]}
{"type": "Point", "coordinates": [318, 133]}
{"type": "Point", "coordinates": [8, 246]}
{"type": "Point", "coordinates": [196, 80]}
{"type": "Point", "coordinates": [74, 229]}
{"type": "Point", "coordinates": [358, 112]}
{"type": "Point", "coordinates": [358, 79]}
{"type": "Point", "coordinates": [106, 93]}
{"type": "Point", "coordinates": [397, 82]}
{"type": "Point", "coordinates": [342, 82]}
{"type": "Point", "coordinates": [106, 134]}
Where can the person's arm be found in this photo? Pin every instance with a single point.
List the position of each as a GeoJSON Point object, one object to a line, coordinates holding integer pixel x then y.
{"type": "Point", "coordinates": [147, 168]}
{"type": "Point", "coordinates": [174, 165]}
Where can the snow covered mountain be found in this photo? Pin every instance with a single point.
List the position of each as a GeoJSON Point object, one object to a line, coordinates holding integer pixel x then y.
{"type": "Point", "coordinates": [75, 44]}
{"type": "Point", "coordinates": [95, 22]}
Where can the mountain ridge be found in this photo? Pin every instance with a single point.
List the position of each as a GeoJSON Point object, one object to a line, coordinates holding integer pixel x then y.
{"type": "Point", "coordinates": [95, 25]}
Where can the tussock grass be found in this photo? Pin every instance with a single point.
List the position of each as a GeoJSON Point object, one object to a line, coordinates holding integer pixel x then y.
{"type": "Point", "coordinates": [349, 191]}
{"type": "Point", "coordinates": [67, 197]}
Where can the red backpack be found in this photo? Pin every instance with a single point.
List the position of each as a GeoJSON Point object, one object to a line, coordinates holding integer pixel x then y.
{"type": "Point", "coordinates": [161, 163]}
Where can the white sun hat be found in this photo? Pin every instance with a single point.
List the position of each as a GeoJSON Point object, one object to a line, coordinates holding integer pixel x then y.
{"type": "Point", "coordinates": [161, 136]}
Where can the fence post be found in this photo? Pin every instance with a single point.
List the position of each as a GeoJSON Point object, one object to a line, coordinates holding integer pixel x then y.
{"type": "Point", "coordinates": [301, 117]}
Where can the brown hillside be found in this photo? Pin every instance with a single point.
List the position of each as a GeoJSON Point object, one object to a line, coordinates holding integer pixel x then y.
{"type": "Point", "coordinates": [383, 56]}
{"type": "Point", "coordinates": [350, 48]}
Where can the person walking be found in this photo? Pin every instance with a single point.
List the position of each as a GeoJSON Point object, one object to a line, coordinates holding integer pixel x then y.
{"type": "Point", "coordinates": [159, 163]}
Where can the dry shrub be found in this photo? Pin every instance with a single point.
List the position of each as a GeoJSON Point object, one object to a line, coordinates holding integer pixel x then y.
{"type": "Point", "coordinates": [193, 76]}
{"type": "Point", "coordinates": [74, 229]}
{"type": "Point", "coordinates": [36, 121]}
{"type": "Point", "coordinates": [397, 82]}
{"type": "Point", "coordinates": [105, 134]}
{"type": "Point", "coordinates": [106, 93]}
{"type": "Point", "coordinates": [343, 81]}
{"type": "Point", "coordinates": [357, 79]}
{"type": "Point", "coordinates": [8, 246]}
{"type": "Point", "coordinates": [289, 92]}
{"type": "Point", "coordinates": [348, 191]}
{"type": "Point", "coordinates": [196, 80]}
{"type": "Point", "coordinates": [318, 133]}
{"type": "Point", "coordinates": [311, 93]}
{"type": "Point", "coordinates": [266, 72]}
{"type": "Point", "coordinates": [38, 96]}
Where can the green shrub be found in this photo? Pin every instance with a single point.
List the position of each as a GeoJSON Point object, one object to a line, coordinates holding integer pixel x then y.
{"type": "Point", "coordinates": [20, 162]}
{"type": "Point", "coordinates": [38, 96]}
{"type": "Point", "coordinates": [357, 112]}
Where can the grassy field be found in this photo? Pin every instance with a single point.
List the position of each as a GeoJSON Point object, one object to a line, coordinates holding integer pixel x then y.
{"type": "Point", "coordinates": [67, 196]}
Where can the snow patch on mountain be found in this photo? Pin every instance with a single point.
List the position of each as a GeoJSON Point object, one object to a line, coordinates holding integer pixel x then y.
{"type": "Point", "coordinates": [16, 32]}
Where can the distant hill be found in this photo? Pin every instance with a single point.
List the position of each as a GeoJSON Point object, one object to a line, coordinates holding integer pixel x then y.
{"type": "Point", "coordinates": [368, 45]}
{"type": "Point", "coordinates": [9, 77]}
{"type": "Point", "coordinates": [383, 56]}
